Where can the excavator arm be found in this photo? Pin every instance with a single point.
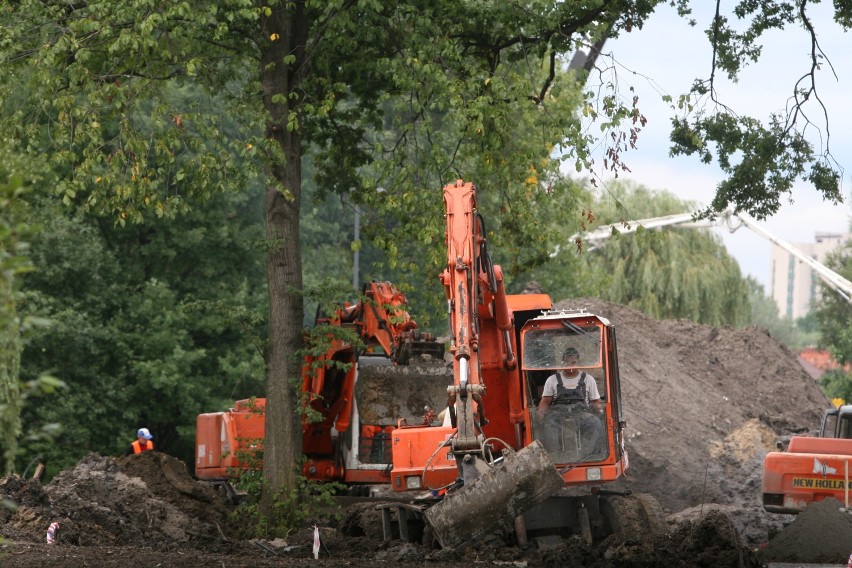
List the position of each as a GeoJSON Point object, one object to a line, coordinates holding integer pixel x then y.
{"type": "Point", "coordinates": [481, 323]}
{"type": "Point", "coordinates": [382, 322]}
{"type": "Point", "coordinates": [474, 290]}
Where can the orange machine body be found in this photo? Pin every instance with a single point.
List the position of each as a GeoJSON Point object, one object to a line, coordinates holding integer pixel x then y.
{"type": "Point", "coordinates": [813, 468]}
{"type": "Point", "coordinates": [224, 440]}
{"type": "Point", "coordinates": [338, 444]}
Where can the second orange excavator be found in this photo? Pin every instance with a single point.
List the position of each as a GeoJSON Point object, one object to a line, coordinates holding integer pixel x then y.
{"type": "Point", "coordinates": [812, 468]}
{"type": "Point", "coordinates": [356, 391]}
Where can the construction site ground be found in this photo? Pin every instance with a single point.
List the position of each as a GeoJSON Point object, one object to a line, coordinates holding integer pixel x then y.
{"type": "Point", "coordinates": [703, 406]}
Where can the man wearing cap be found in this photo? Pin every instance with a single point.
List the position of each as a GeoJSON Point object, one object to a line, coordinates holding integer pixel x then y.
{"type": "Point", "coordinates": [572, 393]}
{"type": "Point", "coordinates": [143, 442]}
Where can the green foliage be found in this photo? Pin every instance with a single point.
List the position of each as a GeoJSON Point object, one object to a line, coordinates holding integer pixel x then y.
{"type": "Point", "coordinates": [327, 241]}
{"type": "Point", "coordinates": [567, 274]}
{"type": "Point", "coordinates": [248, 478]}
{"type": "Point", "coordinates": [454, 108]}
{"type": "Point", "coordinates": [837, 383]}
{"type": "Point", "coordinates": [764, 313]}
{"type": "Point", "coordinates": [834, 313]}
{"type": "Point", "coordinates": [151, 325]}
{"type": "Point", "coordinates": [808, 324]}
{"type": "Point", "coordinates": [20, 179]}
{"type": "Point", "coordinates": [762, 159]}
{"type": "Point", "coordinates": [292, 510]}
{"type": "Point", "coordinates": [136, 143]}
{"type": "Point", "coordinates": [13, 263]}
{"type": "Point", "coordinates": [768, 161]}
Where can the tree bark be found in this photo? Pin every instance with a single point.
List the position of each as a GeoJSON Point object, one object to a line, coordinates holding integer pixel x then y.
{"type": "Point", "coordinates": [282, 449]}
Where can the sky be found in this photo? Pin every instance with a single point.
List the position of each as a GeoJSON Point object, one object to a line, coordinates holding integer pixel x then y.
{"type": "Point", "coordinates": [667, 54]}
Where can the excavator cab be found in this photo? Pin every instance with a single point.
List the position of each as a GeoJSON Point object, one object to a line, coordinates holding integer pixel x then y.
{"type": "Point", "coordinates": [572, 389]}
{"type": "Point", "coordinates": [837, 422]}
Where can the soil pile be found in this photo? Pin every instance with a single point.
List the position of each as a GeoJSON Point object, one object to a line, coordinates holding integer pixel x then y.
{"type": "Point", "coordinates": [822, 533]}
{"type": "Point", "coordinates": [119, 501]}
{"type": "Point", "coordinates": [703, 406]}
{"type": "Point", "coordinates": [711, 541]}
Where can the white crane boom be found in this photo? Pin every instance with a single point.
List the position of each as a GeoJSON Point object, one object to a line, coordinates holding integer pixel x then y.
{"type": "Point", "coordinates": [730, 219]}
{"type": "Point", "coordinates": [834, 280]}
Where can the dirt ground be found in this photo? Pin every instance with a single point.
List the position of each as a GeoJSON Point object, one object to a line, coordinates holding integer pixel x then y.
{"type": "Point", "coordinates": [703, 407]}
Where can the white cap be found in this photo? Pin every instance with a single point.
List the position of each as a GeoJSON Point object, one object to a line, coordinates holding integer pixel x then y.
{"type": "Point", "coordinates": [144, 433]}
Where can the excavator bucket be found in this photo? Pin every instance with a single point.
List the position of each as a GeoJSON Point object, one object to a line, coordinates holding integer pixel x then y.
{"type": "Point", "coordinates": [385, 394]}
{"type": "Point", "coordinates": [520, 482]}
{"type": "Point", "coordinates": [411, 351]}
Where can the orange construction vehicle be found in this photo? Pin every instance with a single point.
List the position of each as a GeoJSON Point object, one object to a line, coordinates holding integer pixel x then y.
{"type": "Point", "coordinates": [501, 453]}
{"type": "Point", "coordinates": [226, 441]}
{"type": "Point", "coordinates": [813, 468]}
{"type": "Point", "coordinates": [356, 391]}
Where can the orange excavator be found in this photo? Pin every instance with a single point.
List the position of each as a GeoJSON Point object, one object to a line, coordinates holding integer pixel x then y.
{"type": "Point", "coordinates": [812, 468]}
{"type": "Point", "coordinates": [355, 392]}
{"type": "Point", "coordinates": [501, 456]}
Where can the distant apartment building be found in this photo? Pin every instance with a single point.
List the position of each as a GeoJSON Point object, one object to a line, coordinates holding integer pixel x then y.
{"type": "Point", "coordinates": [794, 284]}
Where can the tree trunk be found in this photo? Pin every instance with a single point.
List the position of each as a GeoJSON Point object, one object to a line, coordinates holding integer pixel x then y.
{"type": "Point", "coordinates": [282, 448]}
{"type": "Point", "coordinates": [282, 34]}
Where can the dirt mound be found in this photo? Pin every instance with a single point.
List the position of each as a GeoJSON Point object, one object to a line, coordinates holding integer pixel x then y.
{"type": "Point", "coordinates": [822, 533]}
{"type": "Point", "coordinates": [361, 521]}
{"type": "Point", "coordinates": [711, 541]}
{"type": "Point", "coordinates": [148, 498]}
{"type": "Point", "coordinates": [22, 502]}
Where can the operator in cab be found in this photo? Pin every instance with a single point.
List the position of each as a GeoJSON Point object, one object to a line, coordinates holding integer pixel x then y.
{"type": "Point", "coordinates": [144, 442]}
{"type": "Point", "coordinates": [571, 397]}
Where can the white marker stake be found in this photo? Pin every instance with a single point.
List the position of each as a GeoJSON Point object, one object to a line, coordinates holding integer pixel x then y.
{"type": "Point", "coordinates": [316, 542]}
